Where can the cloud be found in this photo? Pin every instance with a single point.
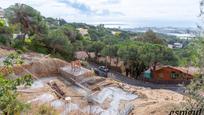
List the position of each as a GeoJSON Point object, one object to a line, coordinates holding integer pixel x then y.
{"type": "Point", "coordinates": [112, 1]}
{"type": "Point", "coordinates": [127, 12]}
{"type": "Point", "coordinates": [87, 10]}
{"type": "Point", "coordinates": [77, 5]}
{"type": "Point", "coordinates": [106, 12]}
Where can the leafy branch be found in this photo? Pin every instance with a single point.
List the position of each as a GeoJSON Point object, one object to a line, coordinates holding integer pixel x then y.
{"type": "Point", "coordinates": [9, 104]}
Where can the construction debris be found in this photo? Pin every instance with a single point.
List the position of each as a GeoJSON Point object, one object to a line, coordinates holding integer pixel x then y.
{"type": "Point", "coordinates": [56, 88]}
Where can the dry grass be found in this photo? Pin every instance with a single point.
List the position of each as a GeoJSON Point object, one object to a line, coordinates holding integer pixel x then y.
{"type": "Point", "coordinates": [4, 52]}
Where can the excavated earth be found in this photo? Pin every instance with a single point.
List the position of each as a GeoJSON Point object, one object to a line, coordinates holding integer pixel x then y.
{"type": "Point", "coordinates": [87, 94]}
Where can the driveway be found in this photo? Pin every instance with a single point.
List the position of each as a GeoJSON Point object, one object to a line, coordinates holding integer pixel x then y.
{"type": "Point", "coordinates": [119, 77]}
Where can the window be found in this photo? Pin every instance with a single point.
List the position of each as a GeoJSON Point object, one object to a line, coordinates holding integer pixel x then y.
{"type": "Point", "coordinates": [174, 75]}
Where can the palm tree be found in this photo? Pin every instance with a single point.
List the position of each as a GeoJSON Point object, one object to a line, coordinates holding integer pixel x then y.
{"type": "Point", "coordinates": [27, 17]}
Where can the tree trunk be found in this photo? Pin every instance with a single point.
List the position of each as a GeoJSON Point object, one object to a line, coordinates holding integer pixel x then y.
{"type": "Point", "coordinates": [117, 62]}
{"type": "Point", "coordinates": [110, 60]}
{"type": "Point", "coordinates": [54, 50]}
{"type": "Point", "coordinates": [96, 57]}
{"type": "Point", "coordinates": [154, 66]}
{"type": "Point", "coordinates": [106, 62]}
{"type": "Point", "coordinates": [88, 56]}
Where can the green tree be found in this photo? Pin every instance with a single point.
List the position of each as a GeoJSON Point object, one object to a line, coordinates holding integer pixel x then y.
{"type": "Point", "coordinates": [151, 37]}
{"type": "Point", "coordinates": [138, 56]}
{"type": "Point", "coordinates": [27, 21]}
{"type": "Point", "coordinates": [9, 104]}
{"type": "Point", "coordinates": [52, 23]}
{"type": "Point", "coordinates": [58, 43]}
{"type": "Point", "coordinates": [2, 23]}
{"type": "Point", "coordinates": [96, 47]}
{"type": "Point", "coordinates": [130, 55]}
{"type": "Point", "coordinates": [5, 34]}
{"type": "Point", "coordinates": [110, 50]}
{"type": "Point", "coordinates": [28, 18]}
{"type": "Point", "coordinates": [70, 32]}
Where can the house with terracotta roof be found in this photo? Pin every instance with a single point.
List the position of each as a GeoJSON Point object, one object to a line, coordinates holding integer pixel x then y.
{"type": "Point", "coordinates": [81, 55]}
{"type": "Point", "coordinates": [169, 74]}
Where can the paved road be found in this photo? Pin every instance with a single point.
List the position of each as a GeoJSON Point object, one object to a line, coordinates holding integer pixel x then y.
{"type": "Point", "coordinates": [119, 77]}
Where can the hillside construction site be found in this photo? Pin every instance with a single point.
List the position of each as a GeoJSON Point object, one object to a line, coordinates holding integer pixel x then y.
{"type": "Point", "coordinates": [78, 91]}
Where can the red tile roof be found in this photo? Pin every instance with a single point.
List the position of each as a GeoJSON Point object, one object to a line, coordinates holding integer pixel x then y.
{"type": "Point", "coordinates": [81, 55]}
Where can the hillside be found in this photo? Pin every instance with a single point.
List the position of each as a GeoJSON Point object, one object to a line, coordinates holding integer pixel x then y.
{"type": "Point", "coordinates": [92, 96]}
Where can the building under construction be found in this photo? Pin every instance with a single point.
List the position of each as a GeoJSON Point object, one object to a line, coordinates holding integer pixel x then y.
{"type": "Point", "coordinates": [74, 90]}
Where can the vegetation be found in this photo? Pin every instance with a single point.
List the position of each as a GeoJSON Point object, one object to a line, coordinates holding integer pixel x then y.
{"type": "Point", "coordinates": [5, 34]}
{"type": "Point", "coordinates": [195, 56]}
{"type": "Point", "coordinates": [139, 56]}
{"type": "Point", "coordinates": [29, 20]}
{"type": "Point", "coordinates": [9, 104]}
{"type": "Point", "coordinates": [62, 39]}
{"type": "Point", "coordinates": [46, 110]}
{"type": "Point", "coordinates": [151, 37]}
{"type": "Point", "coordinates": [195, 91]}
{"type": "Point", "coordinates": [189, 55]}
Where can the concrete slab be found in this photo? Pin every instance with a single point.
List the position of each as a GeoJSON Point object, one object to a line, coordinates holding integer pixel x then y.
{"type": "Point", "coordinates": [75, 76]}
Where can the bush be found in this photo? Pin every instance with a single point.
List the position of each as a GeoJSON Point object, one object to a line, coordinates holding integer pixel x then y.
{"type": "Point", "coordinates": [46, 110]}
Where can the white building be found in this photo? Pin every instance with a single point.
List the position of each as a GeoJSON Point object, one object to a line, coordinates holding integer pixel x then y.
{"type": "Point", "coordinates": [83, 31]}
{"type": "Point", "coordinates": [115, 32]}
{"type": "Point", "coordinates": [183, 36]}
{"type": "Point", "coordinates": [170, 46]}
{"type": "Point", "coordinates": [177, 45]}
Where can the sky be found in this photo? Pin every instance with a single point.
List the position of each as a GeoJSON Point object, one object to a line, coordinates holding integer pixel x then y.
{"type": "Point", "coordinates": [115, 13]}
